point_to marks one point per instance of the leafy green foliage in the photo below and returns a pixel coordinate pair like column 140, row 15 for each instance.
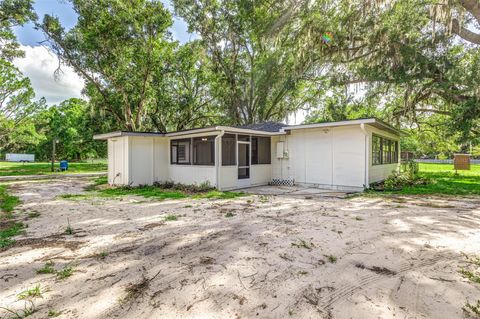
column 13, row 13
column 254, row 77
column 71, row 124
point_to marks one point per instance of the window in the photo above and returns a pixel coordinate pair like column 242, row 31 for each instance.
column 180, row 151
column 261, row 151
column 376, row 150
column 229, row 150
column 384, row 150
column 204, row 150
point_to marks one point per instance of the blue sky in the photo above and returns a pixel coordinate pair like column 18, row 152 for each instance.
column 39, row 63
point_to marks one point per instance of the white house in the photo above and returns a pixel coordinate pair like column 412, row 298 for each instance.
column 344, row 155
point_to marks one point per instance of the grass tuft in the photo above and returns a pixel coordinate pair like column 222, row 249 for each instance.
column 52, row 313
column 10, row 230
column 65, row 272
column 47, row 268
column 171, row 217
column 303, row 244
column 332, row 259
column 31, row 293
column 473, row 309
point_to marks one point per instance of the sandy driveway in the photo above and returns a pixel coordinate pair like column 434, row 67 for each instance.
column 277, row 257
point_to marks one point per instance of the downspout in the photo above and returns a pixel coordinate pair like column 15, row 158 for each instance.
column 366, row 184
column 218, row 162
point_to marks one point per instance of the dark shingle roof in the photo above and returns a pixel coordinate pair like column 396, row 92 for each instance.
column 265, row 126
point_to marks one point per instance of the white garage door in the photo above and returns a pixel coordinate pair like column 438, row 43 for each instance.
column 313, row 156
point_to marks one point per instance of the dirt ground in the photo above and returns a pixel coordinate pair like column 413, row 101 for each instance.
column 276, row 257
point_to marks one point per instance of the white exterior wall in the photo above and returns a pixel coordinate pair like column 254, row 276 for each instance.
column 141, row 165
column 377, row 173
column 161, row 159
column 323, row 157
column 192, row 174
column 260, row 174
column 229, row 177
column 118, row 160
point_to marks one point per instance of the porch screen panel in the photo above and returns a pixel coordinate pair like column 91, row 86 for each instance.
column 261, row 150
column 229, row 150
column 204, row 150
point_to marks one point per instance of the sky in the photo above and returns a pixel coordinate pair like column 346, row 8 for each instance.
column 40, row 63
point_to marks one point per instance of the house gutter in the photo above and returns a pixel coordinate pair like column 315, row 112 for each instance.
column 218, row 162
column 365, row 183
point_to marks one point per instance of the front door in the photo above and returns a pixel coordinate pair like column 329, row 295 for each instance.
column 243, row 160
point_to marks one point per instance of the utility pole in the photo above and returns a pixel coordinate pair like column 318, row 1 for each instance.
column 54, row 142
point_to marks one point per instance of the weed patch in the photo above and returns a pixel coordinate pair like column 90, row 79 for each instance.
column 472, row 309
column 171, row 217
column 31, row 293
column 8, row 230
column 65, row 272
column 47, row 268
column 52, row 313
column 7, row 201
column 303, row 244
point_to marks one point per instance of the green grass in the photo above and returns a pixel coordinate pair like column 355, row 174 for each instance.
column 214, row 194
column 153, row 192
column 43, row 168
column 30, row 293
column 47, row 268
column 9, row 230
column 7, row 201
column 444, row 181
column 171, row 217
column 65, row 272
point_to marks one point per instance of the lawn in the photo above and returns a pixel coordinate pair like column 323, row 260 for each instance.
column 444, row 181
column 43, row 168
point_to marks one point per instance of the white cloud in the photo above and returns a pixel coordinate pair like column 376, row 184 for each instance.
column 39, row 64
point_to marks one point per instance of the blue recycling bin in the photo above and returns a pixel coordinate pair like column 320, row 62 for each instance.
column 63, row 166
